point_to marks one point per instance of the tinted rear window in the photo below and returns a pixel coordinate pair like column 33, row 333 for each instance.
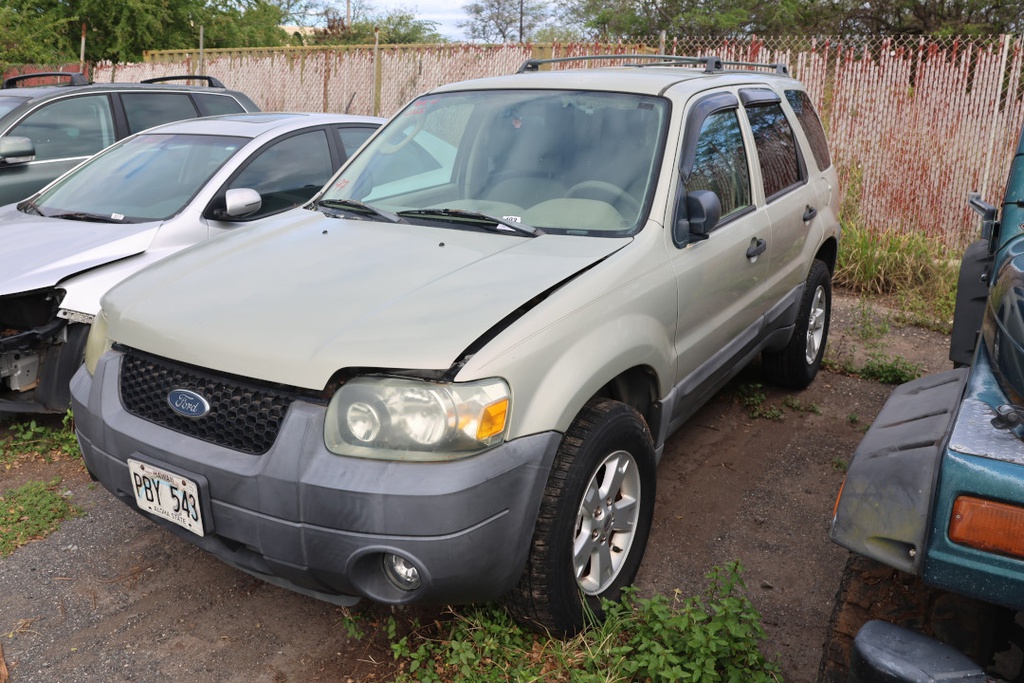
column 811, row 124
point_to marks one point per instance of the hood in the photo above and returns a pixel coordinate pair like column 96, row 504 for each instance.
column 293, row 301
column 39, row 252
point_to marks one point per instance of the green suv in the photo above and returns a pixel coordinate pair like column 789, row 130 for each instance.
column 47, row 130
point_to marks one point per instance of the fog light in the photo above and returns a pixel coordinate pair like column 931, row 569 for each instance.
column 401, row 572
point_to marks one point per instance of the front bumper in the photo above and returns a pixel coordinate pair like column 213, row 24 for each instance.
column 886, row 653
column 303, row 518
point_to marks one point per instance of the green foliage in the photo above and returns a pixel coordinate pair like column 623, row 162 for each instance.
column 33, row 38
column 919, row 272
column 711, row 637
column 895, row 370
column 396, row 27
column 798, row 406
column 869, row 324
column 753, row 398
column 31, row 512
column 840, row 464
column 33, row 438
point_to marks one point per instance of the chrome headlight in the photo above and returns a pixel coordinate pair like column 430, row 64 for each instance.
column 409, row 419
column 97, row 343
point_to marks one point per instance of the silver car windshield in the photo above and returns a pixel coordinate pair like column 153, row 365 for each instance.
column 146, row 178
column 570, row 162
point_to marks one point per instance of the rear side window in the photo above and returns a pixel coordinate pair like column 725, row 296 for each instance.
column 147, row 109
column 213, row 105
column 777, row 151
column 67, row 128
column 811, row 124
column 720, row 162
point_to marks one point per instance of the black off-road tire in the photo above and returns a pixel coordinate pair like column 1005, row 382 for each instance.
column 790, row 367
column 870, row 590
column 549, row 597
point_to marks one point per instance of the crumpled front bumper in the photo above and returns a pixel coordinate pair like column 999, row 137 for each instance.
column 318, row 523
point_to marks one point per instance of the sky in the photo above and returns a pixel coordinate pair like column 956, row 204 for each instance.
column 446, row 12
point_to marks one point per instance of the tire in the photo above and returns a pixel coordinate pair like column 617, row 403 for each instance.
column 795, row 366
column 561, row 589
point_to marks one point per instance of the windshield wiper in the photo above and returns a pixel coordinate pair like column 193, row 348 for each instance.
column 359, row 210
column 87, row 217
column 478, row 219
column 30, row 206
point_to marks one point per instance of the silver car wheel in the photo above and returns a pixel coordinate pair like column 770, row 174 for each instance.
column 606, row 522
column 816, row 325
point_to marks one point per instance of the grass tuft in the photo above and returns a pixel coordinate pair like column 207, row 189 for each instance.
column 31, row 512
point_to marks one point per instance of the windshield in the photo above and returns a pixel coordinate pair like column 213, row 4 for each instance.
column 146, row 178
column 566, row 162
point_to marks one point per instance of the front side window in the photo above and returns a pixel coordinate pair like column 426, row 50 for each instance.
column 777, row 151
column 720, row 162
column 68, row 128
column 572, row 162
column 147, row 109
column 146, row 178
column 288, row 172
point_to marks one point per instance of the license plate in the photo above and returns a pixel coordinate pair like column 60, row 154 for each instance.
column 167, row 495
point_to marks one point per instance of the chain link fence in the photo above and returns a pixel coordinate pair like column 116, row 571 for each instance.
column 914, row 123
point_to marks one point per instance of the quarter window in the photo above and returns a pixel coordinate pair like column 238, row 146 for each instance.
column 720, row 162
column 811, row 124
column 68, row 128
column 213, row 105
column 777, row 152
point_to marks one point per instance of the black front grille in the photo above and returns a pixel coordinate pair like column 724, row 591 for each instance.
column 243, row 416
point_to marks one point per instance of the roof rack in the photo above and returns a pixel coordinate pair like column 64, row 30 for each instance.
column 711, row 64
column 75, row 78
column 210, row 80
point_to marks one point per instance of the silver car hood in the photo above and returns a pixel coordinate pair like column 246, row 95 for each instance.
column 39, row 252
column 296, row 299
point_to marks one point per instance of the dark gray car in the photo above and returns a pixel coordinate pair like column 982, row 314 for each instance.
column 46, row 130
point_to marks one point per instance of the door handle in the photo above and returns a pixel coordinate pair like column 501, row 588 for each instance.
column 809, row 213
column 757, row 248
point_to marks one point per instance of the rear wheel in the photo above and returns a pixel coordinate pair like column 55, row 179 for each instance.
column 796, row 365
column 594, row 520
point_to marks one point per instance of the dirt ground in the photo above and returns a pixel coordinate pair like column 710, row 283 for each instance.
column 113, row 598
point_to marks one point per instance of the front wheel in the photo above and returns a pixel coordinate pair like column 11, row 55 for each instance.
column 594, row 520
column 795, row 366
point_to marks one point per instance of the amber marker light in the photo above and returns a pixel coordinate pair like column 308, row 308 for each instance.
column 987, row 525
column 835, row 508
column 492, row 420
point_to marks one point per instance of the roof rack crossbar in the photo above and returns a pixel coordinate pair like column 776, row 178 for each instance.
column 75, row 78
column 711, row 64
column 210, row 80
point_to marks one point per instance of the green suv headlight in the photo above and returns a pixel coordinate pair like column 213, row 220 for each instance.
column 409, row 419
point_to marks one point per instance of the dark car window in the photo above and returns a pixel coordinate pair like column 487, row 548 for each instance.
column 288, row 172
column 811, row 124
column 351, row 137
column 776, row 149
column 145, row 110
column 213, row 105
column 9, row 103
column 720, row 162
column 72, row 127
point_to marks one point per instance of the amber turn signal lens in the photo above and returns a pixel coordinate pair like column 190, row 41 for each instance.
column 988, row 525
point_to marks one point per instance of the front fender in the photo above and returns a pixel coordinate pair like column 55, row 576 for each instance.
column 885, row 505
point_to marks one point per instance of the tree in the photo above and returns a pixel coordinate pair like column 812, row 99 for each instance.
column 504, row 21
column 396, row 27
column 33, row 38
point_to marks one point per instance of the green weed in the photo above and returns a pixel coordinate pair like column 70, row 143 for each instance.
column 895, row 370
column 31, row 512
column 34, row 438
column 754, row 399
column 711, row 637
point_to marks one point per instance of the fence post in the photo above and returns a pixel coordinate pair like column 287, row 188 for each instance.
column 995, row 115
column 378, row 80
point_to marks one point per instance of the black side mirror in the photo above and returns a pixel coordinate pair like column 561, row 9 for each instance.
column 987, row 213
column 703, row 209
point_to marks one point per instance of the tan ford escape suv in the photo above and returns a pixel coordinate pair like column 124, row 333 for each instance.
column 449, row 378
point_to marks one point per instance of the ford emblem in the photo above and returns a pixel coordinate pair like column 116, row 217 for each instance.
column 188, row 403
